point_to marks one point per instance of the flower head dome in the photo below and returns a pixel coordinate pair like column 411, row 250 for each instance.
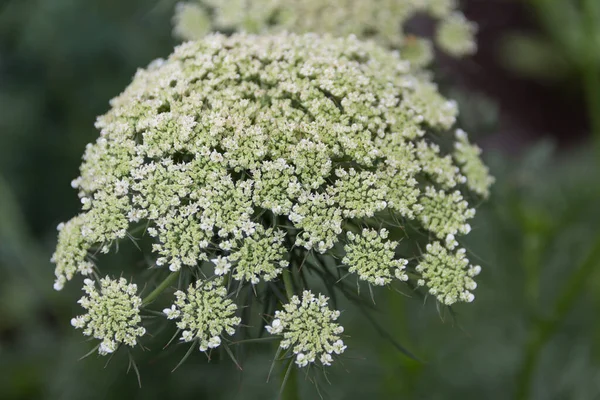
column 241, row 156
column 381, row 20
column 230, row 134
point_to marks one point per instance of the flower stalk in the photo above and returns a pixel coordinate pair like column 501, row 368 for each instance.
column 168, row 281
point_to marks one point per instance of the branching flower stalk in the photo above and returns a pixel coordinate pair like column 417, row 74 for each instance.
column 252, row 161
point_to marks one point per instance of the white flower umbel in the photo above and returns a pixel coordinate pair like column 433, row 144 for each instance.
column 448, row 275
column 113, row 313
column 381, row 20
column 373, row 258
column 204, row 313
column 235, row 144
column 309, row 329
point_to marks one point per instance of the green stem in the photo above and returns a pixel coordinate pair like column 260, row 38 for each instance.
column 160, row 288
column 532, row 253
column 544, row 329
column 290, row 382
column 290, row 379
column 288, row 283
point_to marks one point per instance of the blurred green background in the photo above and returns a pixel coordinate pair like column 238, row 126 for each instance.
column 533, row 331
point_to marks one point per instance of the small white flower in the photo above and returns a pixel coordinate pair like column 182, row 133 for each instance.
column 326, row 359
column 107, row 347
column 222, row 265
column 339, row 347
column 187, row 336
column 214, row 342
column 85, row 268
column 175, row 266
column 172, row 312
column 275, row 328
column 451, row 242
column 121, row 187
column 301, row 360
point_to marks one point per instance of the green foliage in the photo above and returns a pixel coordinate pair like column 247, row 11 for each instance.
column 537, row 233
column 567, row 50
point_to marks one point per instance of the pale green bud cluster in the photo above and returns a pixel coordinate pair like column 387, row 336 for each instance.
column 445, row 213
column 419, row 51
column 441, row 169
column 320, row 220
column 468, row 156
column 275, row 186
column 70, row 256
column 309, row 329
column 204, row 313
column 455, row 35
column 448, row 275
column 357, row 194
column 381, row 20
column 260, row 256
column 373, row 257
column 113, row 313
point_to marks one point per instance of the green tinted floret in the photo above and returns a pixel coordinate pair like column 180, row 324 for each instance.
column 468, row 156
column 113, row 314
column 204, row 313
column 448, row 275
column 373, row 257
column 309, row 329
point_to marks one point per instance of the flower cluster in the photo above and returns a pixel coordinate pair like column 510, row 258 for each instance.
column 381, row 20
column 244, row 155
column 308, row 327
column 445, row 213
column 113, row 313
column 448, row 275
column 455, row 35
column 467, row 155
column 204, row 313
column 260, row 256
column 373, row 258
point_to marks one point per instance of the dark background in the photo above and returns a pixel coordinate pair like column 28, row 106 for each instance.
column 533, row 331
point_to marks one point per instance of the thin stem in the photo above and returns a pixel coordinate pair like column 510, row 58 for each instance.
column 288, row 283
column 160, row 288
column 289, row 390
column 544, row 329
